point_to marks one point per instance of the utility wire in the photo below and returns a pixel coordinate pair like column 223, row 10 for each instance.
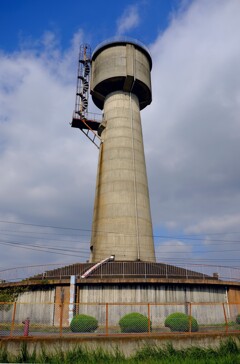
column 49, row 250
column 185, row 236
column 44, row 238
column 160, row 256
column 44, row 226
column 69, row 240
column 75, row 249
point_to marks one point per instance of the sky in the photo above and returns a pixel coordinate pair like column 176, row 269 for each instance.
column 191, row 129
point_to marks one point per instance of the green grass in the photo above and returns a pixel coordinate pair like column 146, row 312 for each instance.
column 228, row 352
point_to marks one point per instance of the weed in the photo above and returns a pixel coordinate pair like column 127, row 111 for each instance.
column 3, row 356
column 227, row 353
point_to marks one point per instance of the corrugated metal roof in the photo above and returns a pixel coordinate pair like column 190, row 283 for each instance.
column 125, row 269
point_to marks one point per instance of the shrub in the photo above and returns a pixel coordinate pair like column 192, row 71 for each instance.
column 238, row 319
column 134, row 322
column 6, row 296
column 83, row 323
column 181, row 322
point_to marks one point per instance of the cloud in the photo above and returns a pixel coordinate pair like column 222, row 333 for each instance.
column 191, row 133
column 214, row 224
column 191, row 129
column 129, row 20
column 45, row 164
column 169, row 250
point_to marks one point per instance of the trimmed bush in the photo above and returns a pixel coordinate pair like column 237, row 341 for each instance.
column 181, row 322
column 134, row 322
column 83, row 323
column 238, row 319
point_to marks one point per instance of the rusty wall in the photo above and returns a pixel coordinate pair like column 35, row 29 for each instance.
column 234, row 297
column 233, row 294
column 62, row 296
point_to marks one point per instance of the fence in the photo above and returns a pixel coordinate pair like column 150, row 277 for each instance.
column 123, row 270
column 58, row 320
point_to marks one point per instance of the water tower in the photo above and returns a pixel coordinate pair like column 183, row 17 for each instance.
column 121, row 87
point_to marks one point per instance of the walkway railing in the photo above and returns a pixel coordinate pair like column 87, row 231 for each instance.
column 58, row 319
column 123, row 270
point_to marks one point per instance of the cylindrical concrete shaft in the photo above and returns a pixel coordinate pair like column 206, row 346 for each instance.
column 122, row 220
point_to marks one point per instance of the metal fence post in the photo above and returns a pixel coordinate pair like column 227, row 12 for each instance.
column 13, row 318
column 149, row 321
column 190, row 316
column 106, row 318
column 225, row 317
column 61, row 317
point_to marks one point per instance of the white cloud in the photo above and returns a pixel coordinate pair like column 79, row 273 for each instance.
column 221, row 224
column 192, row 128
column 173, row 250
column 129, row 20
column 191, row 133
column 47, row 168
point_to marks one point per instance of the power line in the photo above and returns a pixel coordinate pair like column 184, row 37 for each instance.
column 68, row 249
column 44, row 238
column 44, row 226
column 194, row 239
column 44, row 233
column 69, row 240
column 185, row 236
column 174, row 237
column 74, row 249
column 36, row 248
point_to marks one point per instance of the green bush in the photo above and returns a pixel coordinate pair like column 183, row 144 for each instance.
column 6, row 296
column 83, row 323
column 238, row 319
column 134, row 322
column 181, row 322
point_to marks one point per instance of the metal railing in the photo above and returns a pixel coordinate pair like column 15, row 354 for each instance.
column 89, row 115
column 123, row 270
column 63, row 319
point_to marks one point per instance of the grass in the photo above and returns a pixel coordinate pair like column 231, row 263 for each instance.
column 228, row 352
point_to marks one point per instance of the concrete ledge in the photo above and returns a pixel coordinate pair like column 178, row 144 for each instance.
column 127, row 344
column 111, row 280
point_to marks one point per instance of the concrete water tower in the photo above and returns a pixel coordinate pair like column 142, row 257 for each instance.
column 121, row 87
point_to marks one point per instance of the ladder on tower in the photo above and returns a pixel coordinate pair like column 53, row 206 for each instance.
column 80, row 119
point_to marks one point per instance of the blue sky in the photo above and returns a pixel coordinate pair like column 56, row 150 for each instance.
column 27, row 20
column 191, row 129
